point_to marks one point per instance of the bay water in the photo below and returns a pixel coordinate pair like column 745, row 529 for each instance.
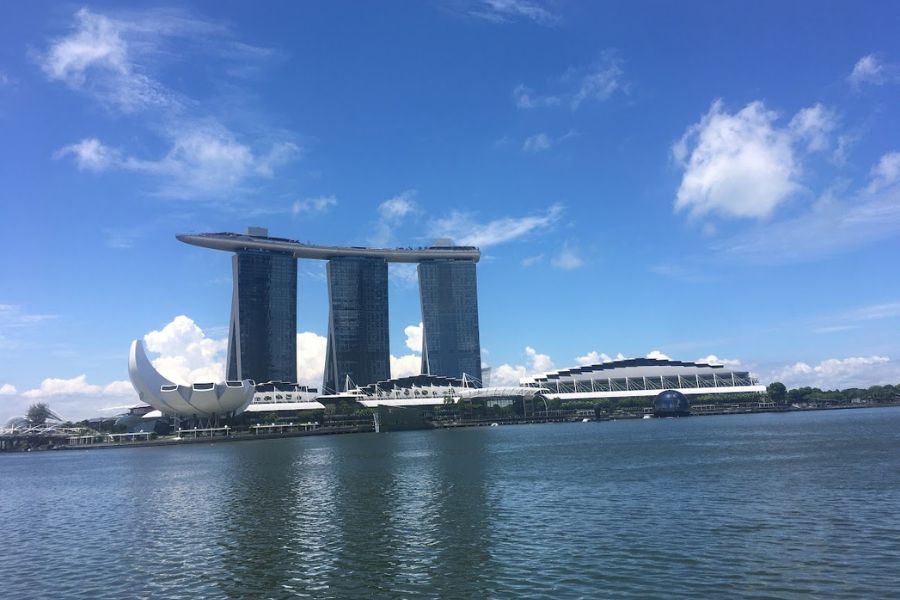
column 791, row 505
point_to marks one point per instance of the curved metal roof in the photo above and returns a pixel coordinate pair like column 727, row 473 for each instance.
column 619, row 364
column 233, row 242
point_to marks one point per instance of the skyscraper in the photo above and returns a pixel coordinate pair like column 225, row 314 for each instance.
column 358, row 343
column 449, row 297
column 262, row 341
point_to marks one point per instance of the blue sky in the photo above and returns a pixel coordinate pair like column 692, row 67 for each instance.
column 690, row 179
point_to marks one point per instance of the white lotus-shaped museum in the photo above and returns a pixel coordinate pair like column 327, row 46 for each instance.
column 197, row 400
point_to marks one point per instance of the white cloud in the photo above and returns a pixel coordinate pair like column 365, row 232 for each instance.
column 119, row 388
column 833, row 328
column 537, row 143
column 541, row 141
column 813, row 125
column 503, row 11
column 13, row 317
column 509, row 375
column 712, row 359
column 403, row 274
column 598, row 81
column 525, row 97
column 406, row 365
column 8, row 389
column 73, row 398
column 314, row 206
column 594, row 358
column 886, row 310
column 657, row 355
column 414, row 337
column 567, row 259
column 399, row 206
column 113, row 60
column 95, row 58
column 53, row 386
column 886, row 172
column 591, row 358
column 391, row 213
column 739, row 165
column 204, row 158
column 869, row 69
column 463, row 228
column 530, row 261
column 832, row 225
column 311, row 349
column 90, row 155
column 186, row 354
column 834, row 373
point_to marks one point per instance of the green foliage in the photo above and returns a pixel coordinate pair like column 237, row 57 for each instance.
column 777, row 392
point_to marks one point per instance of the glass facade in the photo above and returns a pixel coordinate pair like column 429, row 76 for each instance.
column 262, row 341
column 450, row 343
column 358, row 343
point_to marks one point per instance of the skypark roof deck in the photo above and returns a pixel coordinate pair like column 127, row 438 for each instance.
column 233, row 242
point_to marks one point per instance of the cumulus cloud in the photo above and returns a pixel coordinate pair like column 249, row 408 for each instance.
column 74, row 398
column 53, row 386
column 598, row 82
column 313, row 206
column 739, row 165
column 466, row 230
column 409, row 364
column 186, row 354
column 414, row 337
column 311, row 350
column 712, row 359
column 657, row 355
column 591, row 358
column 595, row 358
column 871, row 70
column 835, row 373
column 510, row 375
column 406, row 365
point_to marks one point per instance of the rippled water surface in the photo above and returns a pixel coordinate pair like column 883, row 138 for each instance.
column 794, row 505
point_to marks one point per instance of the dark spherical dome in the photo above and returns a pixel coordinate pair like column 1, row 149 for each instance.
column 671, row 403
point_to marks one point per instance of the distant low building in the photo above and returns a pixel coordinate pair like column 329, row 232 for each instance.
column 637, row 377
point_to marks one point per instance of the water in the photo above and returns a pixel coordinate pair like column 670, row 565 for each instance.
column 794, row 505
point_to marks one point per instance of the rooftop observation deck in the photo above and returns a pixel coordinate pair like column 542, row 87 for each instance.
column 233, row 242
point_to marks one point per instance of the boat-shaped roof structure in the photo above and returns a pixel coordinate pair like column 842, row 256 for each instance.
column 234, row 242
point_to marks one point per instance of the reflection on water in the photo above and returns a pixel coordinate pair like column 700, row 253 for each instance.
column 794, row 505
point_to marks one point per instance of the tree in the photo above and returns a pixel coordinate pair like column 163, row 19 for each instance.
column 38, row 413
column 777, row 392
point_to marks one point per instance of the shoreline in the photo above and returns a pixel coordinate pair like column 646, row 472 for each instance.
column 245, row 436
